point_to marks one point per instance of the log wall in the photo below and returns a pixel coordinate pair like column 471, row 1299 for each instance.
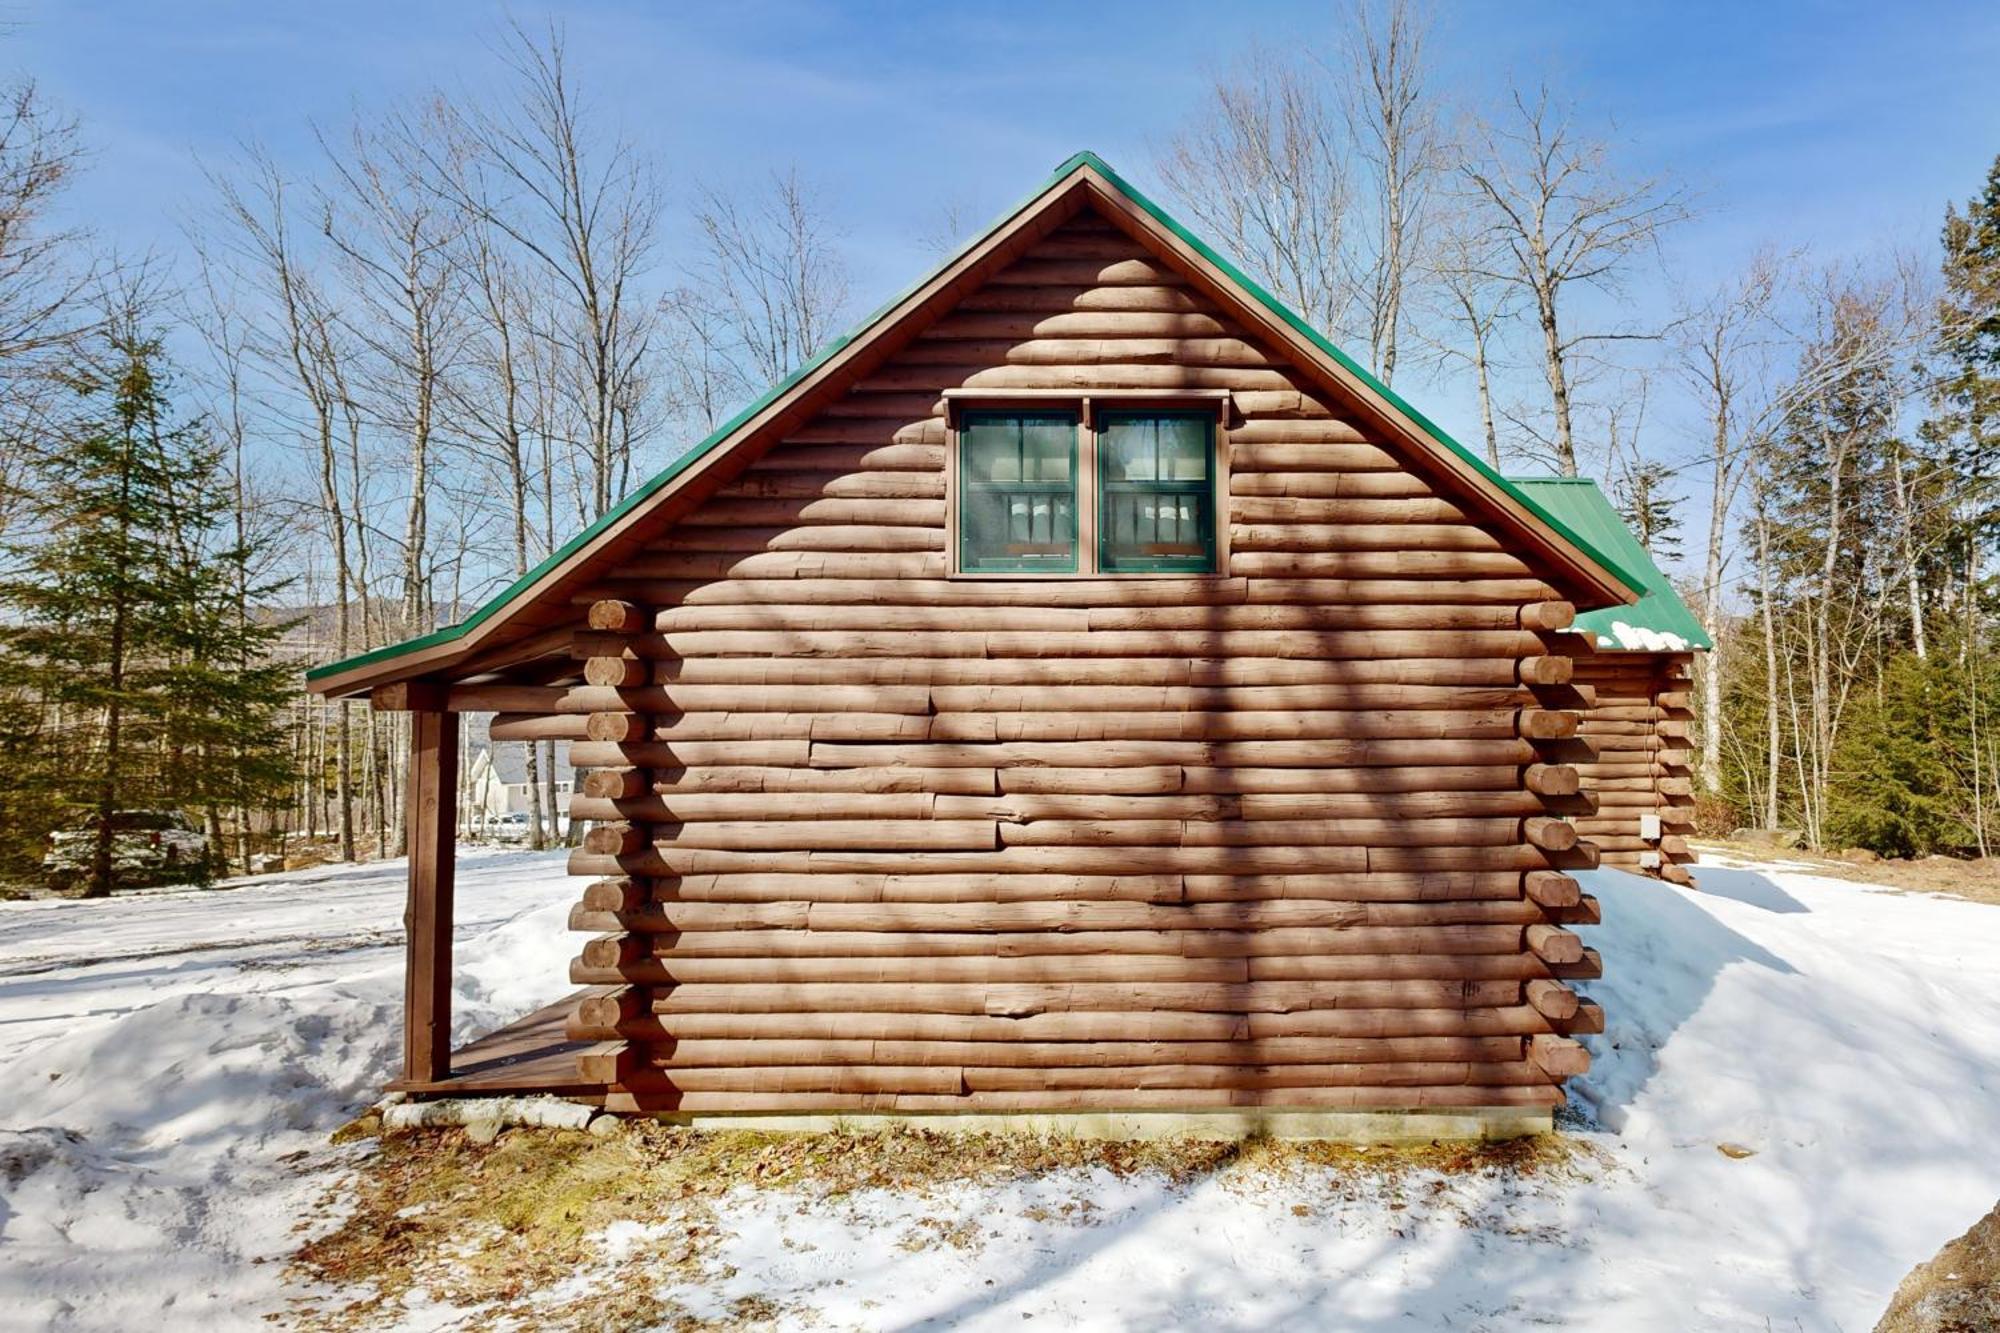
column 1640, row 731
column 871, row 838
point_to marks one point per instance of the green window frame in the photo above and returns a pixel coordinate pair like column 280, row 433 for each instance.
column 1013, row 514
column 1155, row 514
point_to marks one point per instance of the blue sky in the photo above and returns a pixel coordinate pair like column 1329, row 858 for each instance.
column 1842, row 126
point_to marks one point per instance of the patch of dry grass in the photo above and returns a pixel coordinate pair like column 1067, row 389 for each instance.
column 497, row 1229
column 1975, row 881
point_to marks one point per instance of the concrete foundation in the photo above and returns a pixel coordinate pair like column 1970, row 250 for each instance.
column 1470, row 1123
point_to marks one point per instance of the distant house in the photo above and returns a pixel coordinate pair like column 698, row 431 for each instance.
column 495, row 785
column 1080, row 690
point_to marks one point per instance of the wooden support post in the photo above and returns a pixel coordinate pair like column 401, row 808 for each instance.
column 433, row 828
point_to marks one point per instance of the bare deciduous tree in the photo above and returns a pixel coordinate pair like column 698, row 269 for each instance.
column 1264, row 170
column 297, row 347
column 1471, row 304
column 1394, row 118
column 1722, row 348
column 586, row 212
column 398, row 241
column 45, row 276
column 1562, row 219
column 769, row 288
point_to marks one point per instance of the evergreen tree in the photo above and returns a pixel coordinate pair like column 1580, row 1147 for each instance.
column 126, row 627
column 1965, row 420
column 1649, row 509
column 1895, row 788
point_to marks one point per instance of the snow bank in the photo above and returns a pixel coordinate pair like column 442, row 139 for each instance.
column 166, row 1120
column 1848, row 1037
column 156, row 1161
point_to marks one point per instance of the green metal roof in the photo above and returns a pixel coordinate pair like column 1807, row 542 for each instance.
column 1584, row 508
column 1632, row 577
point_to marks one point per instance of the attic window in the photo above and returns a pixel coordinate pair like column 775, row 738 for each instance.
column 1017, row 493
column 1052, row 488
column 1156, row 492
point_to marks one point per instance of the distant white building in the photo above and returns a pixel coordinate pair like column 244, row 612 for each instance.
column 495, row 785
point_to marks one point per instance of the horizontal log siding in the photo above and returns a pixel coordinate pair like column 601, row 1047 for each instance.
column 870, row 838
column 1641, row 731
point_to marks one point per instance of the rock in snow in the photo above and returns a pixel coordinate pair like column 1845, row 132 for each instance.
column 1795, row 1103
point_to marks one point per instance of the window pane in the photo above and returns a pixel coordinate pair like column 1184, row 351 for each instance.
column 1184, row 449
column 992, row 451
column 1047, row 446
column 1017, row 493
column 1125, row 449
column 1156, row 501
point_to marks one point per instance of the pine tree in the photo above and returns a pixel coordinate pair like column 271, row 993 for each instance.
column 126, row 629
column 1649, row 509
column 1966, row 418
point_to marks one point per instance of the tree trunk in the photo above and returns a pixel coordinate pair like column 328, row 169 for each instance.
column 1483, row 373
column 1772, row 753
column 1900, row 496
column 1558, row 377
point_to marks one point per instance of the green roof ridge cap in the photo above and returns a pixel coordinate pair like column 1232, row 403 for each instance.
column 1069, row 167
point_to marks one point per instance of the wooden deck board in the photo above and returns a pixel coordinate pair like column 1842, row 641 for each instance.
column 531, row 1056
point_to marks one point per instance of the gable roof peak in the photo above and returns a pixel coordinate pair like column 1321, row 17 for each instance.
column 1600, row 576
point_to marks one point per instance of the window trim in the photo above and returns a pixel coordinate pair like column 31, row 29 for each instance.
column 1083, row 404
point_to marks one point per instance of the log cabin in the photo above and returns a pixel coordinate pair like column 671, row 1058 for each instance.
column 1082, row 690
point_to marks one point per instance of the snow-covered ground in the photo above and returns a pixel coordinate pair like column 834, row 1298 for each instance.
column 171, row 1065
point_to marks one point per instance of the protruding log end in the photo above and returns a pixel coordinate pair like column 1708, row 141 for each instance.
column 617, row 895
column 614, row 784
column 617, row 617
column 1558, row 1057
column 1580, row 697
column 1553, row 1000
column 1589, row 1018
column 1583, row 856
column 1546, row 724
column 1549, row 833
column 1548, row 670
column 1552, row 779
column 608, row 1011
column 610, row 1063
column 1547, row 617
column 618, row 673
column 409, row 696
column 1551, row 888
column 615, row 728
column 613, row 840
column 609, row 952
column 1553, row 944
column 1590, row 968
column 1586, row 911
